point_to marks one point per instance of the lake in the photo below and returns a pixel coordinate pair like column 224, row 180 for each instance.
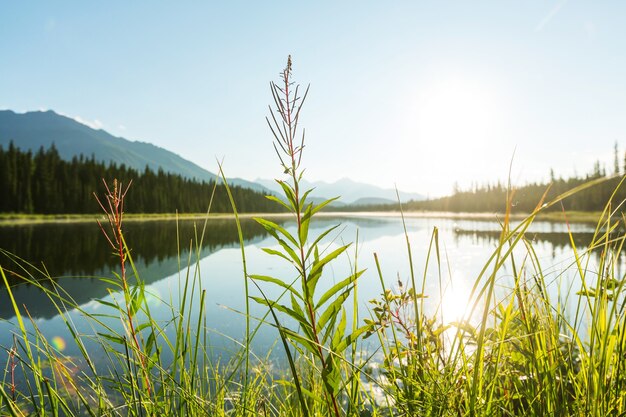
column 76, row 255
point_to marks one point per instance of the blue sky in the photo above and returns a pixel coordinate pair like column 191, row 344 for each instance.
column 418, row 94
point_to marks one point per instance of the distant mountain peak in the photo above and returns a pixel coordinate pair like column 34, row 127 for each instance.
column 349, row 191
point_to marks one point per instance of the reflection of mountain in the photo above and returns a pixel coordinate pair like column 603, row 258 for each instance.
column 76, row 254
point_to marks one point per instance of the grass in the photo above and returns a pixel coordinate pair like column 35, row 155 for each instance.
column 516, row 351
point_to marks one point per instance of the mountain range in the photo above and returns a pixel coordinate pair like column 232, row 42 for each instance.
column 33, row 130
column 349, row 192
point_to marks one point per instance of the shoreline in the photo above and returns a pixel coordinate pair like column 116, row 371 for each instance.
column 26, row 219
column 29, row 219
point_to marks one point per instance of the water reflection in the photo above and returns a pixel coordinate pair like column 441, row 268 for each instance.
column 558, row 240
column 76, row 253
column 77, row 256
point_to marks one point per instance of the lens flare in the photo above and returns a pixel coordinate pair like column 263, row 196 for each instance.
column 59, row 343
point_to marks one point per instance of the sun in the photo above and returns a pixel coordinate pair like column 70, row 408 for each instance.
column 456, row 127
column 456, row 110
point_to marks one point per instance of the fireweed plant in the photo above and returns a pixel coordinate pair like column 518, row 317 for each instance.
column 320, row 338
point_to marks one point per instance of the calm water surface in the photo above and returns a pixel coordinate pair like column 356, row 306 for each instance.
column 77, row 257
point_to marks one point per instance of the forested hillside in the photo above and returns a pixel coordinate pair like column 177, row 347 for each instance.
column 32, row 130
column 493, row 197
column 44, row 183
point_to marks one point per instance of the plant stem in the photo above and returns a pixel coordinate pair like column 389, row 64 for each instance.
column 287, row 113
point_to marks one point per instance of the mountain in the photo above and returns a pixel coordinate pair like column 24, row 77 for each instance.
column 350, row 192
column 372, row 201
column 33, row 130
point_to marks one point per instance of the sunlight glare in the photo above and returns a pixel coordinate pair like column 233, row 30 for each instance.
column 453, row 119
column 456, row 111
column 455, row 303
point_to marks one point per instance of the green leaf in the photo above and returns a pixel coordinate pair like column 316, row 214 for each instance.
column 323, row 204
column 112, row 338
column 289, row 193
column 316, row 398
column 311, row 281
column 277, row 253
column 272, row 228
column 137, row 297
column 278, row 282
column 333, row 308
column 308, row 330
column 339, row 331
column 330, row 328
column 289, row 251
column 353, row 337
column 308, row 213
column 283, row 309
column 318, row 239
column 304, row 197
column 331, row 375
column 588, row 293
column 108, row 304
column 308, row 344
column 291, row 255
column 338, row 287
column 150, row 343
column 318, row 265
column 303, row 232
column 296, row 306
column 115, row 283
column 279, row 201
column 142, row 326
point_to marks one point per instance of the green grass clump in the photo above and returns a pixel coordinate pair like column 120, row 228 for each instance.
column 519, row 349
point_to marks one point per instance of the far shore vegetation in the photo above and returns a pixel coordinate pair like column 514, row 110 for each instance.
column 42, row 187
column 43, row 183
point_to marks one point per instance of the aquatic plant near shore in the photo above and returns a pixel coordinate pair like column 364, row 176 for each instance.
column 320, row 338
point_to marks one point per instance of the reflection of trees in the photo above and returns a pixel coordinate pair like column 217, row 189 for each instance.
column 558, row 240
column 81, row 250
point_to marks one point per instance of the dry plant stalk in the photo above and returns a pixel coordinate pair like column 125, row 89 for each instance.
column 113, row 208
column 12, row 366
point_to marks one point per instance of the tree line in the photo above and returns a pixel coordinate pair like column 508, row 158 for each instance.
column 42, row 183
column 493, row 197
